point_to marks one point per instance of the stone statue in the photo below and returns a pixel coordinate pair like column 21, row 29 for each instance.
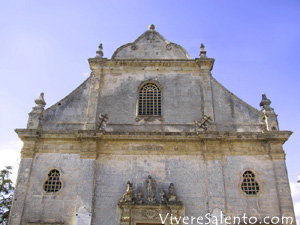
column 139, row 196
column 150, row 186
column 128, row 196
column 151, row 191
column 162, row 196
column 172, row 198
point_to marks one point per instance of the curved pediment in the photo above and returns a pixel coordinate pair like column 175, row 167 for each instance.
column 151, row 45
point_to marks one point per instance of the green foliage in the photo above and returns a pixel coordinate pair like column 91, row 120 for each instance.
column 6, row 194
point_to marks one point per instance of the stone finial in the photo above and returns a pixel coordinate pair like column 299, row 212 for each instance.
column 36, row 114
column 151, row 27
column 202, row 51
column 40, row 102
column 100, row 51
column 269, row 116
column 265, row 103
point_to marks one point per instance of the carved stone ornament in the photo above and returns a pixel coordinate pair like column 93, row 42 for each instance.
column 149, row 213
column 202, row 51
column 134, row 47
column 151, row 190
column 151, row 27
column 99, row 53
column 40, row 102
column 169, row 47
column 162, row 195
column 202, row 125
column 101, row 122
column 172, row 197
column 134, row 210
column 139, row 196
column 128, row 196
column 137, row 199
column 265, row 103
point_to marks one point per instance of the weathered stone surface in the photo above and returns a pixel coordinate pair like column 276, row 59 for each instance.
column 95, row 162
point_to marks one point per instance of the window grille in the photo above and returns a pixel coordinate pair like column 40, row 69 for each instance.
column 53, row 183
column 249, row 184
column 149, row 100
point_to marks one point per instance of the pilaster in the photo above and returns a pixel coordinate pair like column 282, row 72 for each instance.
column 215, row 182
column 20, row 191
column 283, row 190
column 94, row 97
column 206, row 65
column 85, row 192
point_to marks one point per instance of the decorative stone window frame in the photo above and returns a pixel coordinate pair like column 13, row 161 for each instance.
column 150, row 118
column 46, row 179
column 257, row 179
column 133, row 214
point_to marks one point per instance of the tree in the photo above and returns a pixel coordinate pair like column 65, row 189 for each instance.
column 6, row 194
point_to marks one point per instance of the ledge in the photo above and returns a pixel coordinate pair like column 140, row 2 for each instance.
column 281, row 136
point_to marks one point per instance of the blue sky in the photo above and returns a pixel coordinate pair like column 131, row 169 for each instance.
column 44, row 47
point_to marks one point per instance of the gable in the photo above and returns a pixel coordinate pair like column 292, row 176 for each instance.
column 151, row 45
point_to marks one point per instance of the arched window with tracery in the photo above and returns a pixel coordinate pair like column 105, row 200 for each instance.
column 249, row 185
column 149, row 103
column 53, row 183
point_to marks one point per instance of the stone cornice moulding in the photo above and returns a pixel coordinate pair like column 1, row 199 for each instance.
column 33, row 134
column 202, row 63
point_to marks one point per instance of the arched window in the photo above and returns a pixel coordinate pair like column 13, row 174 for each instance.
column 149, row 100
column 53, row 183
column 249, row 184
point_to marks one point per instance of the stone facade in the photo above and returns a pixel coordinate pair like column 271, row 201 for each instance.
column 93, row 158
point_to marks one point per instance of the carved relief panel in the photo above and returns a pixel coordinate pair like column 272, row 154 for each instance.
column 136, row 210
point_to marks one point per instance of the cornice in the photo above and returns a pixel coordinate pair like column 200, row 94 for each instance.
column 98, row 63
column 277, row 136
column 205, row 63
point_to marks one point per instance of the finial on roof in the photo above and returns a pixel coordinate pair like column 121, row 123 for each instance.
column 202, row 51
column 99, row 52
column 40, row 102
column 151, row 27
column 265, row 103
column 269, row 116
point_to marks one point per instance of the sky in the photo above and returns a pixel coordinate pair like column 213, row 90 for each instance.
column 44, row 47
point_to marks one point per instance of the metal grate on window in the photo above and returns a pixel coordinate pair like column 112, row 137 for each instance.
column 149, row 100
column 53, row 183
column 249, row 184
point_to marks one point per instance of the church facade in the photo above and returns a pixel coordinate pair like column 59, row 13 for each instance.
column 151, row 138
